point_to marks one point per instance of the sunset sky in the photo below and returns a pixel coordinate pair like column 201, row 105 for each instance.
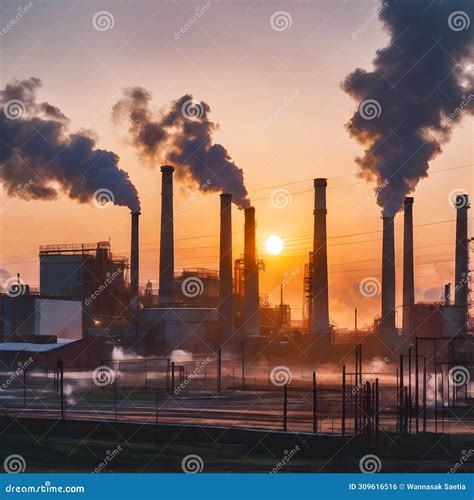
column 277, row 97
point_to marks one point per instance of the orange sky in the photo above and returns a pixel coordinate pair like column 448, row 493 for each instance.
column 277, row 98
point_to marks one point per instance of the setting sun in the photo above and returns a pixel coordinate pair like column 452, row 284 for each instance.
column 274, row 244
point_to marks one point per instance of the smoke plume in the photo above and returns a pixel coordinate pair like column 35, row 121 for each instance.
column 182, row 136
column 36, row 150
column 421, row 86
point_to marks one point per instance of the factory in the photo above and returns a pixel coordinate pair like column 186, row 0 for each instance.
column 90, row 301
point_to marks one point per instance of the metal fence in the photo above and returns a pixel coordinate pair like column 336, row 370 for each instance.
column 209, row 390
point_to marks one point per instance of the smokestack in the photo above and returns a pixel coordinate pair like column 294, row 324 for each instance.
column 251, row 291
column 320, row 307
column 387, row 321
column 166, row 293
column 226, row 301
column 447, row 294
column 461, row 285
column 408, row 271
column 134, row 263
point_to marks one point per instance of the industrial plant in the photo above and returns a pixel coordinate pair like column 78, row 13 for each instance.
column 89, row 300
column 91, row 316
column 104, row 341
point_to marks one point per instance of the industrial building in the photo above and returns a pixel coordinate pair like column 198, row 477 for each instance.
column 87, row 272
column 201, row 310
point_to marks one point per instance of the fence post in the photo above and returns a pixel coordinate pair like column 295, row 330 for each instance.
column 243, row 363
column 343, row 418
column 61, row 372
column 219, row 368
column 285, row 407
column 24, row 387
column 377, row 409
column 315, row 402
column 115, row 397
column 424, row 395
column 172, row 378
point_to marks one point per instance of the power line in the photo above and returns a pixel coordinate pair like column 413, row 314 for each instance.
column 346, row 175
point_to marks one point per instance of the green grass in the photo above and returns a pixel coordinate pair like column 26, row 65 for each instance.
column 72, row 455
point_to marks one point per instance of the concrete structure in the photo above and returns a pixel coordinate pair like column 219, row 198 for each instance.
column 166, row 290
column 35, row 319
column 319, row 321
column 408, row 267
column 197, row 286
column 461, row 277
column 226, row 299
column 192, row 329
column 387, row 320
column 251, row 323
column 87, row 272
column 134, row 262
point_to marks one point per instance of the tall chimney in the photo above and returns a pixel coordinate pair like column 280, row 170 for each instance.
column 251, row 290
column 447, row 294
column 320, row 303
column 134, row 262
column 166, row 293
column 226, row 300
column 408, row 271
column 461, row 276
column 387, row 321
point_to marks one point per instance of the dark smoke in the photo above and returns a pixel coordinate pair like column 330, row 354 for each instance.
column 424, row 86
column 182, row 136
column 36, row 150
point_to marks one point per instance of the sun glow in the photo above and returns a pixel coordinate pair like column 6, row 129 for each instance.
column 274, row 244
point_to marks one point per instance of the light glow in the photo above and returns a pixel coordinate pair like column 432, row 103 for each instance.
column 274, row 244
